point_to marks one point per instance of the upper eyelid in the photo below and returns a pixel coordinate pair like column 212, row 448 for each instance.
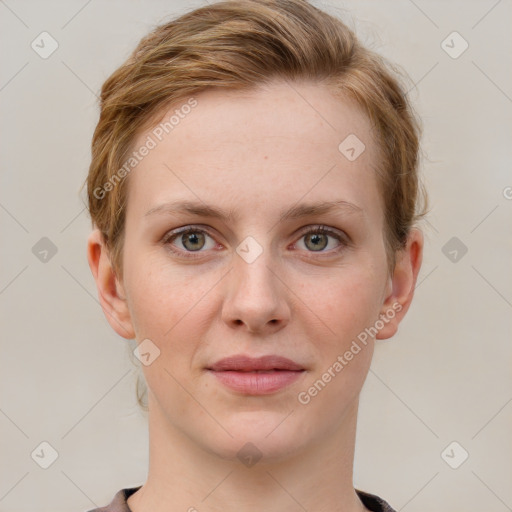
column 184, row 229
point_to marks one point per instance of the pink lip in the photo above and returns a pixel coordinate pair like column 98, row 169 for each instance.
column 256, row 376
column 250, row 364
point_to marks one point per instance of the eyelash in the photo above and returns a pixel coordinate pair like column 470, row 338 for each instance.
column 321, row 230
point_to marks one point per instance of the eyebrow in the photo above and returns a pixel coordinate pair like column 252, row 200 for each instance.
column 295, row 212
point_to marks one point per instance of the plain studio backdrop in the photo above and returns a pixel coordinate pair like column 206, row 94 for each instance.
column 436, row 409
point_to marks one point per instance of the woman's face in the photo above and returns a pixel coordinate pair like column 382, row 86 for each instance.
column 249, row 174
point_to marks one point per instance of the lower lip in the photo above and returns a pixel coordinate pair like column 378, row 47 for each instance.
column 254, row 383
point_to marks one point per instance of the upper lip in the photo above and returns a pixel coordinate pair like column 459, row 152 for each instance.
column 247, row 363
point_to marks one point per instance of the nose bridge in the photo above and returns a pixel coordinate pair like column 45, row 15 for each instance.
column 256, row 297
column 252, row 275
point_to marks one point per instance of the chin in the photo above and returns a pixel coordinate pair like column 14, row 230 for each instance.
column 258, row 436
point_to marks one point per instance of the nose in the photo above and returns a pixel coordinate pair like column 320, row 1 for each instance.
column 256, row 301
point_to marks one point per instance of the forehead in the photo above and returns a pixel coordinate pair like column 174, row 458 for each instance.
column 306, row 111
column 272, row 144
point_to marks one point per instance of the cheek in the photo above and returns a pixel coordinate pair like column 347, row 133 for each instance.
column 172, row 309
column 346, row 306
column 164, row 297
column 347, row 302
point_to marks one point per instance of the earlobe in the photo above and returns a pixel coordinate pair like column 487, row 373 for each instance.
column 401, row 285
column 110, row 292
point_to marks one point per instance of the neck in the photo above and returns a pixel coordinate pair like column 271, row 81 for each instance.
column 184, row 477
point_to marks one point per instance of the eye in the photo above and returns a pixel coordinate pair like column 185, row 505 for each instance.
column 317, row 239
column 188, row 240
column 191, row 239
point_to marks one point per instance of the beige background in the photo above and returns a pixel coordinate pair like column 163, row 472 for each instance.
column 66, row 377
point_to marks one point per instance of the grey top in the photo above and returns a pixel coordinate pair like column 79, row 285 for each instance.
column 118, row 503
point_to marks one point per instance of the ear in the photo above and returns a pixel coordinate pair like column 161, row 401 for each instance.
column 110, row 289
column 400, row 287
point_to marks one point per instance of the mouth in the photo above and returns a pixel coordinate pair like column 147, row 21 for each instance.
column 242, row 363
column 256, row 376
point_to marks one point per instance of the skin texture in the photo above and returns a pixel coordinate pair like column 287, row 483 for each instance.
column 256, row 153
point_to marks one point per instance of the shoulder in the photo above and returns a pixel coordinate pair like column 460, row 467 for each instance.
column 373, row 502
column 118, row 503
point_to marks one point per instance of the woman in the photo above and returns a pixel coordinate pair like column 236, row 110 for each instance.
column 254, row 195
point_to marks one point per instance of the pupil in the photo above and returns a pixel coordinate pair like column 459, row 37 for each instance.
column 316, row 239
column 193, row 239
